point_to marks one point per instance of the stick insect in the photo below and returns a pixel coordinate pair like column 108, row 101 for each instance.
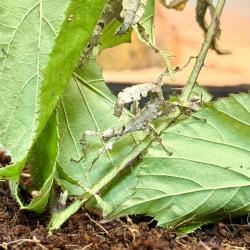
column 143, row 120
column 133, row 10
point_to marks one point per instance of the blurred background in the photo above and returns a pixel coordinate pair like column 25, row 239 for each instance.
column 178, row 32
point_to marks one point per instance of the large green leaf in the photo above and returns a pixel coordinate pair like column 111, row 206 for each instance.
column 206, row 178
column 27, row 31
column 88, row 104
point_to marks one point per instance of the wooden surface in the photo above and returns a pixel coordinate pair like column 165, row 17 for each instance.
column 178, row 32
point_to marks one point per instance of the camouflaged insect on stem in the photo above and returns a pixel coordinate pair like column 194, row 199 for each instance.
column 132, row 12
column 110, row 12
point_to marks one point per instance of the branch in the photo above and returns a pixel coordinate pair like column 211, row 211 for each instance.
column 203, row 52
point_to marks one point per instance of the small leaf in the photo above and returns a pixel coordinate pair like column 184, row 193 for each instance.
column 59, row 217
column 42, row 162
column 132, row 12
column 201, row 9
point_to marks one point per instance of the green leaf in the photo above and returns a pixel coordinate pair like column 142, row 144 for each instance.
column 27, row 39
column 42, row 165
column 27, row 31
column 81, row 19
column 207, row 177
column 59, row 217
column 88, row 104
column 108, row 39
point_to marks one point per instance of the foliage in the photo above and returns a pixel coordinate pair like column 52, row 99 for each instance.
column 52, row 91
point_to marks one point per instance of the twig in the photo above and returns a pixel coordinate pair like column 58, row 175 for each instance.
column 34, row 240
column 203, row 52
column 86, row 247
column 202, row 244
column 228, row 246
column 3, row 211
column 177, row 69
column 100, row 226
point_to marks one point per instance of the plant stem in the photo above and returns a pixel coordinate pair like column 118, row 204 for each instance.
column 203, row 52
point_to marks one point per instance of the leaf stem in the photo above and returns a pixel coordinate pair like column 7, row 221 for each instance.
column 203, row 52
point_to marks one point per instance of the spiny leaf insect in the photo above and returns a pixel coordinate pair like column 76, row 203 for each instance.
column 133, row 11
column 143, row 120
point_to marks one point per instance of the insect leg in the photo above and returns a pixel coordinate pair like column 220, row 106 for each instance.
column 198, row 118
column 135, row 107
column 158, row 138
column 83, row 143
column 106, row 147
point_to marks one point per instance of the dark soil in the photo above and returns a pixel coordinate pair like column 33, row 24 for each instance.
column 24, row 230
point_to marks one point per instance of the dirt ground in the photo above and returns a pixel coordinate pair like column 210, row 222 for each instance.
column 24, row 230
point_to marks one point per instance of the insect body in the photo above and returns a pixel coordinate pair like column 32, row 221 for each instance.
column 143, row 120
column 133, row 10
